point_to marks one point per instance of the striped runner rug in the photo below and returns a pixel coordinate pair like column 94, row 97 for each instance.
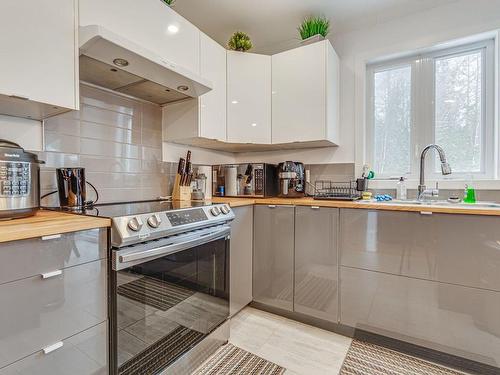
column 231, row 360
column 368, row 359
column 154, row 292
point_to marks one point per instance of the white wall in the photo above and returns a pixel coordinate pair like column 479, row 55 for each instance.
column 27, row 133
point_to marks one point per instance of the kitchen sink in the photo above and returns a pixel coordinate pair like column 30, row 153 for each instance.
column 443, row 203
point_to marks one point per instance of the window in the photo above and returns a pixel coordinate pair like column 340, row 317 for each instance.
column 444, row 97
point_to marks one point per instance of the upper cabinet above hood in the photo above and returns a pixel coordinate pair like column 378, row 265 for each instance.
column 111, row 61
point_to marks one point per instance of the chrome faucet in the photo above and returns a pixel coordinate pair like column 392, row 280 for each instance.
column 445, row 170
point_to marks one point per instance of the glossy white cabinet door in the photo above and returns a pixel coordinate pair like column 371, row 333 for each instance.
column 248, row 98
column 213, row 103
column 150, row 23
column 38, row 51
column 305, row 83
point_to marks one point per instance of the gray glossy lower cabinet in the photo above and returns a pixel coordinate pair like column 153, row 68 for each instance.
column 316, row 266
column 240, row 288
column 273, row 257
column 82, row 354
column 456, row 249
column 37, row 312
column 454, row 319
column 26, row 258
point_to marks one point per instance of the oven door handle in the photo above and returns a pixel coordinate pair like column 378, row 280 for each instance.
column 146, row 255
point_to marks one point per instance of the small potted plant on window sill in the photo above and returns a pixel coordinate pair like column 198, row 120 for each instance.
column 239, row 41
column 314, row 29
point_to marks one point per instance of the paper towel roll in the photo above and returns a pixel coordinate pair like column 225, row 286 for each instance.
column 231, row 181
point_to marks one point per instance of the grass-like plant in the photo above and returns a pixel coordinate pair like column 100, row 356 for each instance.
column 239, row 41
column 313, row 26
column 169, row 2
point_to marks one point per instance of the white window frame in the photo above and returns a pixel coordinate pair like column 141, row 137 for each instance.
column 423, row 108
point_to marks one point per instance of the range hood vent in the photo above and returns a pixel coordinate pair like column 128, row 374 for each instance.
column 115, row 63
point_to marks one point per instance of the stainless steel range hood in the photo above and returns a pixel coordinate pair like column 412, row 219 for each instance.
column 113, row 62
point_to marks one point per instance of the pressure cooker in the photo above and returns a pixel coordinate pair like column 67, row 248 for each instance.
column 19, row 181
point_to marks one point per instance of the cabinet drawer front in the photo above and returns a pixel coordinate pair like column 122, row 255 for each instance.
column 38, row 312
column 316, row 274
column 273, row 256
column 82, row 354
column 454, row 319
column 26, row 258
column 456, row 249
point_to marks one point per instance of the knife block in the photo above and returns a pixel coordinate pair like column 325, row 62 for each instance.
column 180, row 193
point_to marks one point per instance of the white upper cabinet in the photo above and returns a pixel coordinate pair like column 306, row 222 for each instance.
column 305, row 95
column 192, row 120
column 38, row 57
column 248, row 98
column 149, row 23
column 213, row 103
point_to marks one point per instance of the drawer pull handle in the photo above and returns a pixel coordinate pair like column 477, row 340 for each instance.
column 52, row 237
column 425, row 212
column 272, row 206
column 51, row 348
column 315, row 207
column 48, row 275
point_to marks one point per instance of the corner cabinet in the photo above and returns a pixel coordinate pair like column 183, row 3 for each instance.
column 305, row 95
column 201, row 120
column 38, row 57
column 248, row 98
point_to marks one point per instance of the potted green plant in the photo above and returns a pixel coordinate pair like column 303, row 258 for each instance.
column 169, row 2
column 239, row 41
column 313, row 29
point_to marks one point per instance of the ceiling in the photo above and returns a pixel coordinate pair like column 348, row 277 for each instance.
column 272, row 24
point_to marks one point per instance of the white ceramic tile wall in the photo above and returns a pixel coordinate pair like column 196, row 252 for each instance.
column 117, row 140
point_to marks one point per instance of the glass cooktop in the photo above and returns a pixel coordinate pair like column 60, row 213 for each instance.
column 135, row 208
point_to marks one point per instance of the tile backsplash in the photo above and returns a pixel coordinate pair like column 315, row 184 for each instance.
column 117, row 140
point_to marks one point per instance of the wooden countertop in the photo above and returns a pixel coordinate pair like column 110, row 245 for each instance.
column 46, row 223
column 370, row 205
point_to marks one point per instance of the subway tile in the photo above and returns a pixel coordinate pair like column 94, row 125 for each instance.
column 114, row 180
column 106, row 100
column 151, row 117
column 62, row 125
column 61, row 143
column 107, row 117
column 119, row 195
column 149, row 153
column 109, row 133
column 48, row 180
column 152, row 138
column 107, row 148
column 59, row 160
column 102, row 164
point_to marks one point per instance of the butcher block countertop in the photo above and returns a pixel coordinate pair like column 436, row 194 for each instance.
column 370, row 205
column 46, row 223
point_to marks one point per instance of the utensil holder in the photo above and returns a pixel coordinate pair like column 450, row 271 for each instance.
column 181, row 193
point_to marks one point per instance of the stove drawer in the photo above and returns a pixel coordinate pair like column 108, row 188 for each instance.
column 38, row 312
column 26, row 258
column 82, row 354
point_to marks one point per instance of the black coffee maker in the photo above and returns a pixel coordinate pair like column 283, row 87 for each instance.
column 71, row 188
column 291, row 179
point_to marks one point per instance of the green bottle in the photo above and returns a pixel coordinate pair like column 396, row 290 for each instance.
column 469, row 194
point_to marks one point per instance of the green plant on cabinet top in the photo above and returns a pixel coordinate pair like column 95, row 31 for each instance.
column 239, row 41
column 314, row 26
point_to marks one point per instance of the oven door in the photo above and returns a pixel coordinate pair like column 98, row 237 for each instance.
column 167, row 295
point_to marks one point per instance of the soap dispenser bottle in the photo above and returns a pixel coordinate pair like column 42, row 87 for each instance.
column 401, row 189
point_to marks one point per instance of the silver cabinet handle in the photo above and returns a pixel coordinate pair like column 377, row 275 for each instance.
column 271, row 206
column 315, row 207
column 48, row 275
column 425, row 212
column 51, row 348
column 51, row 237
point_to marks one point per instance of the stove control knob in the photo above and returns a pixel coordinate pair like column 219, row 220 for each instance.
column 215, row 211
column 135, row 224
column 225, row 210
column 154, row 221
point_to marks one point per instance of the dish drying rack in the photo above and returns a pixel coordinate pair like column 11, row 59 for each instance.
column 345, row 191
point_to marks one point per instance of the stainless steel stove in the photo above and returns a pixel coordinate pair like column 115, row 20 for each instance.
column 169, row 284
